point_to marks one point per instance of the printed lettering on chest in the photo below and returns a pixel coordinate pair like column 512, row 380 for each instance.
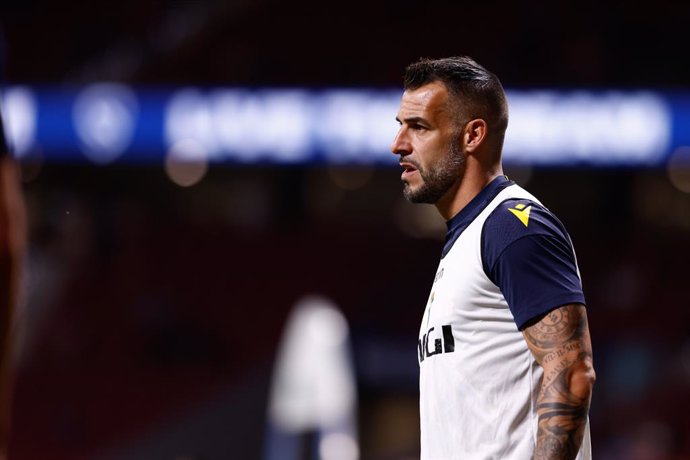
column 436, row 341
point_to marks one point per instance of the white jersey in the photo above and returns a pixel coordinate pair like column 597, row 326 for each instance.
column 479, row 382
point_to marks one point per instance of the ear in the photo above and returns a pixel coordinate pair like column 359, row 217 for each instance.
column 474, row 134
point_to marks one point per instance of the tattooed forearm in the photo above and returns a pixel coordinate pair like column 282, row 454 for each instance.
column 562, row 418
column 561, row 345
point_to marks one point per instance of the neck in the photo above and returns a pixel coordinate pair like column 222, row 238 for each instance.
column 473, row 180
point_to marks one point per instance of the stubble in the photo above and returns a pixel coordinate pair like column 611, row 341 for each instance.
column 437, row 179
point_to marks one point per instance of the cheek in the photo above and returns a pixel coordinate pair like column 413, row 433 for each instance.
column 431, row 161
column 431, row 150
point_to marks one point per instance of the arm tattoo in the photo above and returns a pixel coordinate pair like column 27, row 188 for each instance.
column 561, row 345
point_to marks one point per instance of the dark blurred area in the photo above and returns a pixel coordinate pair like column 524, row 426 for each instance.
column 310, row 43
column 154, row 311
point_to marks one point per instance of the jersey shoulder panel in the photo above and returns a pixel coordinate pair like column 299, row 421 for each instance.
column 528, row 254
column 513, row 219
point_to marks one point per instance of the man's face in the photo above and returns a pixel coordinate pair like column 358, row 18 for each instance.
column 428, row 144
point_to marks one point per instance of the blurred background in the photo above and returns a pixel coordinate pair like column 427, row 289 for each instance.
column 196, row 172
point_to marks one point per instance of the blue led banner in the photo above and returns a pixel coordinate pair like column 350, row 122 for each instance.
column 106, row 123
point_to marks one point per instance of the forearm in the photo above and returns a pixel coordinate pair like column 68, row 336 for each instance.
column 561, row 345
column 563, row 406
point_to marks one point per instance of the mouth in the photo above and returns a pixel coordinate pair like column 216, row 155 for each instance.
column 408, row 169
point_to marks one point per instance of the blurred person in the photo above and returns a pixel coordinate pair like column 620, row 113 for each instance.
column 12, row 251
column 504, row 349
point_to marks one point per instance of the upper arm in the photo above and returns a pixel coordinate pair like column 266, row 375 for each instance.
column 530, row 257
column 561, row 344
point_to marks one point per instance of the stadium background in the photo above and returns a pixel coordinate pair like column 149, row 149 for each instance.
column 154, row 311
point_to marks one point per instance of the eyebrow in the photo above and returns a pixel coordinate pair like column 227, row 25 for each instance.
column 412, row 120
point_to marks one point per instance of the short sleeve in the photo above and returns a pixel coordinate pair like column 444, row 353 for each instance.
column 528, row 254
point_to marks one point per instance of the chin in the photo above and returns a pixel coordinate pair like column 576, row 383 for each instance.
column 416, row 196
column 408, row 191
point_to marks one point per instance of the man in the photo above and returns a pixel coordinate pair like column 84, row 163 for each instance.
column 504, row 349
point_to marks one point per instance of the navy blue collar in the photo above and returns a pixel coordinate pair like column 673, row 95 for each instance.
column 459, row 222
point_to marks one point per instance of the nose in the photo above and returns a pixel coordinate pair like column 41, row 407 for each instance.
column 401, row 145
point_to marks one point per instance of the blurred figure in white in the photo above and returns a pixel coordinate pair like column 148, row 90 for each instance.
column 312, row 406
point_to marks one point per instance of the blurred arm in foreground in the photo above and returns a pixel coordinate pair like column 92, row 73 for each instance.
column 12, row 251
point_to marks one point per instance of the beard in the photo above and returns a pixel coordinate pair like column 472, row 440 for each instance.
column 437, row 179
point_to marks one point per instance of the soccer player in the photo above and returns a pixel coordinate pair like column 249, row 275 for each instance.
column 504, row 348
column 12, row 252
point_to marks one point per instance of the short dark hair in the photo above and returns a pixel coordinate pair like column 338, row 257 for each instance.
column 477, row 91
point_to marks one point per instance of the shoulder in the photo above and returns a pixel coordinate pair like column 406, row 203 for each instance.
column 517, row 218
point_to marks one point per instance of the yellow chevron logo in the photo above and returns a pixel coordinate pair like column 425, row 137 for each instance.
column 522, row 213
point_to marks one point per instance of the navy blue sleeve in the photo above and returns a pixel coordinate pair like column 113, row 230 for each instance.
column 527, row 253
